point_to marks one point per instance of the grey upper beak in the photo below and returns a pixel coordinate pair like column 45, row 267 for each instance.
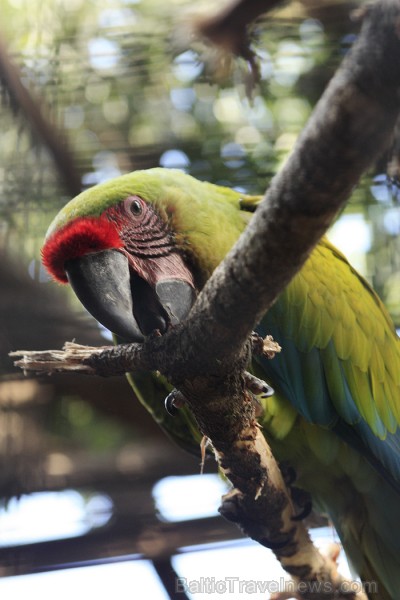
column 124, row 302
column 102, row 283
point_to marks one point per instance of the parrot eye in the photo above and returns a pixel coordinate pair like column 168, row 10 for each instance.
column 136, row 207
column 133, row 206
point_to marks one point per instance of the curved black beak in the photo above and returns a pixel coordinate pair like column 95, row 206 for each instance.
column 124, row 302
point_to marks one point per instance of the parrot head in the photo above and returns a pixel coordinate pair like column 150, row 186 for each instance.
column 137, row 249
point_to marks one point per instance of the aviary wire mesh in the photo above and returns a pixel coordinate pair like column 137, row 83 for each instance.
column 129, row 91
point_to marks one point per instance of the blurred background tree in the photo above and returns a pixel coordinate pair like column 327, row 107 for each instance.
column 126, row 88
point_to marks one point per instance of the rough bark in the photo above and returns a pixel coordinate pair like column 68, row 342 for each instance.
column 205, row 357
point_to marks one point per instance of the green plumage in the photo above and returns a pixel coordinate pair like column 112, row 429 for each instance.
column 336, row 411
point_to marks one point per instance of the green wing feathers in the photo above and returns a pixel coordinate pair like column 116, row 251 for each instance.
column 329, row 306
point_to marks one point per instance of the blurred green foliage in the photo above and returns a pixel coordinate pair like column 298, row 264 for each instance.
column 131, row 90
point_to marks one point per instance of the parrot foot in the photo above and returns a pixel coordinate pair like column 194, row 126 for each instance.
column 231, row 509
column 300, row 497
column 173, row 402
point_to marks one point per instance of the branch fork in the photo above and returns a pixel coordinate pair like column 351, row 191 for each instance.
column 259, row 503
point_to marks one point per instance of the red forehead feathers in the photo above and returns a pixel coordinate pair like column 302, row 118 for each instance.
column 80, row 237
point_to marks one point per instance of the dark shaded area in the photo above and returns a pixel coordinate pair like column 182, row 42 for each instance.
column 33, row 314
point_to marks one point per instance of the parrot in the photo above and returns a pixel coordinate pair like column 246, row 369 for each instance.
column 137, row 251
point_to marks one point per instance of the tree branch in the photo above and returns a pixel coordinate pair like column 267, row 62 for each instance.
column 205, row 357
column 34, row 111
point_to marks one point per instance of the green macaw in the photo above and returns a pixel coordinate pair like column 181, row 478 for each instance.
column 136, row 251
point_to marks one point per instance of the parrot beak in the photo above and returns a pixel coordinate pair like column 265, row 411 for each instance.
column 124, row 302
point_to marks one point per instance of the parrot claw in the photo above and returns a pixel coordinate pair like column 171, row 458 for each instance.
column 258, row 386
column 303, row 501
column 173, row 402
column 304, row 513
